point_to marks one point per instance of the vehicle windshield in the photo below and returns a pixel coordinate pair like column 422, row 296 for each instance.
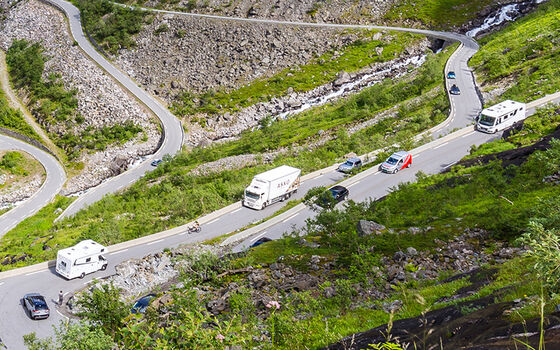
column 392, row 161
column 349, row 163
column 39, row 304
column 486, row 120
column 252, row 195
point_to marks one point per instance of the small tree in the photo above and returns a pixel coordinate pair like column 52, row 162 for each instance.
column 103, row 308
column 545, row 249
column 71, row 336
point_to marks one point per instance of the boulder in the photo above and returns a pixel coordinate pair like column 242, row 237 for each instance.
column 342, row 78
column 367, row 228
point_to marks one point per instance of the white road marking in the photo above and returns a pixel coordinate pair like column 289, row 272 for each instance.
column 154, row 242
column 62, row 315
column 88, row 282
column 259, row 236
column 452, row 164
column 1, row 283
column 443, row 144
column 236, row 210
column 467, row 135
column 182, row 233
column 291, row 217
column 120, row 251
column 213, row 221
column 65, row 294
column 32, row 273
column 355, row 183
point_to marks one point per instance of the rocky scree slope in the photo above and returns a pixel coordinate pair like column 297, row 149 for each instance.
column 333, row 11
column 101, row 101
column 198, row 54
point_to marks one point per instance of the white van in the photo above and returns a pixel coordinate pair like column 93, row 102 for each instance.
column 81, row 259
column 500, row 116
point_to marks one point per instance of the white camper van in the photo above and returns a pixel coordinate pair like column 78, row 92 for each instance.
column 500, row 116
column 81, row 259
column 272, row 186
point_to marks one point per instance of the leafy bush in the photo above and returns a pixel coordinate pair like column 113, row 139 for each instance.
column 13, row 119
column 13, row 162
column 103, row 308
column 112, row 26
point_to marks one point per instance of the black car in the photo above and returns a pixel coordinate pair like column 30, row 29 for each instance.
column 36, row 305
column 339, row 193
column 260, row 241
column 332, row 196
column 142, row 304
column 454, row 90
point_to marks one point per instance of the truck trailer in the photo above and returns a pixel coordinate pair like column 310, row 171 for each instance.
column 272, row 186
column 500, row 116
column 81, row 259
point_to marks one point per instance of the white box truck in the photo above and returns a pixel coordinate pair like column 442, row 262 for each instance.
column 272, row 186
column 81, row 259
column 500, row 116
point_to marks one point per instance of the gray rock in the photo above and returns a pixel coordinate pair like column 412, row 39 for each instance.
column 411, row 251
column 414, row 230
column 342, row 78
column 399, row 256
column 367, row 228
column 393, row 306
column 329, row 292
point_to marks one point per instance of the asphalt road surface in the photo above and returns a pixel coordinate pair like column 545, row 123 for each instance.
column 14, row 322
column 55, row 178
column 171, row 126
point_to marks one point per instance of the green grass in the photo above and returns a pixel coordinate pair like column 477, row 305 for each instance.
column 113, row 27
column 14, row 163
column 29, row 236
column 438, row 14
column 319, row 71
column 13, row 119
column 169, row 197
column 527, row 51
column 542, row 123
column 52, row 103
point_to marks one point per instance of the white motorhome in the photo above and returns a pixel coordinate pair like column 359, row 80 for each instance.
column 272, row 186
column 81, row 259
column 500, row 116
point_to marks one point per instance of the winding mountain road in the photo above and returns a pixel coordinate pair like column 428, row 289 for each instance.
column 55, row 178
column 171, row 126
column 429, row 158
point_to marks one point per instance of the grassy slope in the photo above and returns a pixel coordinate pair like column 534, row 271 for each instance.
column 440, row 14
column 470, row 194
column 526, row 52
column 319, row 71
column 169, row 197
column 13, row 120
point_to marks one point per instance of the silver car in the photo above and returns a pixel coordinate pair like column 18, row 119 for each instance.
column 36, row 305
column 350, row 164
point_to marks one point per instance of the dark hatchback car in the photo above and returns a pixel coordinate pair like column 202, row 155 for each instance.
column 142, row 304
column 454, row 90
column 36, row 306
column 332, row 196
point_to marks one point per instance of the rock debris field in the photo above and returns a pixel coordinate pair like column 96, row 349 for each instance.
column 101, row 101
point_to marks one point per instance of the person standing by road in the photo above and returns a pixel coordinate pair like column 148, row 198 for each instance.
column 60, row 298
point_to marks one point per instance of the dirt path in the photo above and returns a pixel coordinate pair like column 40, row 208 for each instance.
column 14, row 102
